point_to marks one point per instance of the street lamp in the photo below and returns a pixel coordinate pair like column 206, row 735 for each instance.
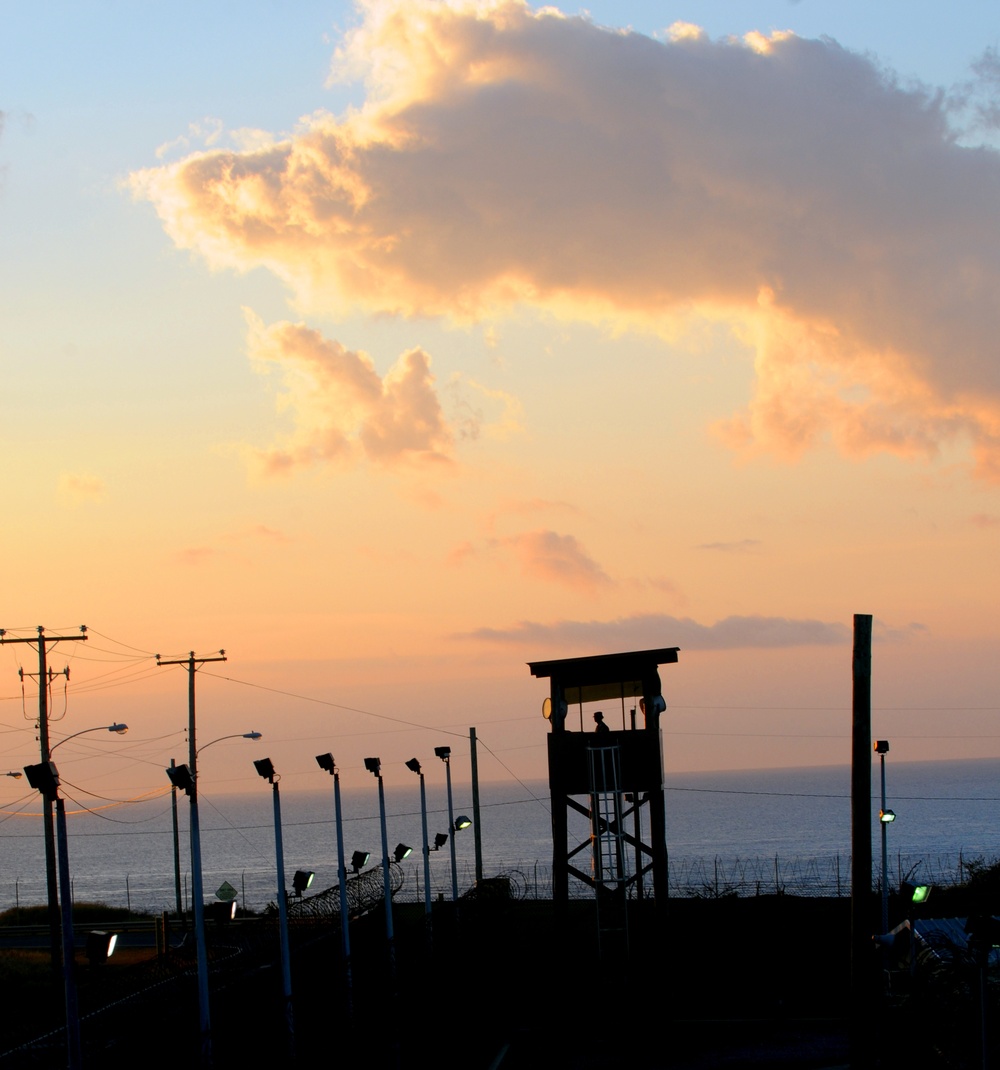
column 414, row 766
column 444, row 753
column 374, row 766
column 173, row 809
column 885, row 818
column 326, row 762
column 265, row 768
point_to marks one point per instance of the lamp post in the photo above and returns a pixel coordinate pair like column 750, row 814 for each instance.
column 414, row 766
column 265, row 768
column 374, row 766
column 326, row 762
column 444, row 753
column 44, row 777
column 885, row 818
column 173, row 811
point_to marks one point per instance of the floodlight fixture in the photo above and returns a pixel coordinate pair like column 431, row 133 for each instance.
column 462, row 822
column 440, row 839
column 915, row 893
column 180, row 777
column 43, row 777
column 100, row 946
column 881, row 746
column 264, row 768
column 359, row 860
column 886, row 816
column 222, row 910
column 374, row 765
column 444, row 753
column 326, row 763
column 302, row 880
column 413, row 765
column 402, row 851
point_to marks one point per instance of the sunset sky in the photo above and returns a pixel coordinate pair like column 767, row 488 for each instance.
column 392, row 346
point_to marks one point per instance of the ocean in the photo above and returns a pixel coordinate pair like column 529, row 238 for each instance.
column 751, row 831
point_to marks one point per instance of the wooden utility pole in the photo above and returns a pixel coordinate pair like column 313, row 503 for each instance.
column 44, row 641
column 862, row 1036
column 192, row 664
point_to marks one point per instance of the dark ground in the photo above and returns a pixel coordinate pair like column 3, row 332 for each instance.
column 706, row 984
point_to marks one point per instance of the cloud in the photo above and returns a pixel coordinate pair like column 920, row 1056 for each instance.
column 652, row 630
column 80, row 487
column 741, row 546
column 788, row 187
column 193, row 556
column 555, row 558
column 542, row 555
column 340, row 406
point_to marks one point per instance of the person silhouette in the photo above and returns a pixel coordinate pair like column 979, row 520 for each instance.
column 599, row 725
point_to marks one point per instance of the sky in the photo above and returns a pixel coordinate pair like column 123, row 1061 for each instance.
column 391, row 347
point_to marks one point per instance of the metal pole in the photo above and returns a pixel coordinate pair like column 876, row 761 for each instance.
column 427, row 850
column 177, row 847
column 885, row 870
column 345, row 933
column 386, row 882
column 74, row 1051
column 477, row 827
column 451, row 828
column 286, row 966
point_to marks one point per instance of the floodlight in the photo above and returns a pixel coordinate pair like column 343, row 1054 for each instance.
column 43, row 777
column 180, row 777
column 264, row 768
column 302, row 879
column 440, row 839
column 915, row 893
column 326, row 762
column 444, row 753
column 886, row 816
column 359, row 860
column 413, row 765
column 881, row 746
column 402, row 851
column 373, row 765
column 462, row 822
column 100, row 946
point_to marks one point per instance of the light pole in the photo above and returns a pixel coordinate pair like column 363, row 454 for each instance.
column 444, row 753
column 186, row 777
column 326, row 762
column 265, row 768
column 885, row 818
column 374, row 766
column 414, row 766
column 44, row 777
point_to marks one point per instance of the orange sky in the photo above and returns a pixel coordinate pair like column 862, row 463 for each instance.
column 445, row 337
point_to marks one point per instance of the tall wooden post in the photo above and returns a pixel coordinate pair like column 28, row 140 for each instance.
column 862, row 1036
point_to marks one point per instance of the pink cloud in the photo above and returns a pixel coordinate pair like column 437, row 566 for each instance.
column 340, row 406
column 507, row 156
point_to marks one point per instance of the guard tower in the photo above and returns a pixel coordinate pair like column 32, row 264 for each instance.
column 613, row 778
